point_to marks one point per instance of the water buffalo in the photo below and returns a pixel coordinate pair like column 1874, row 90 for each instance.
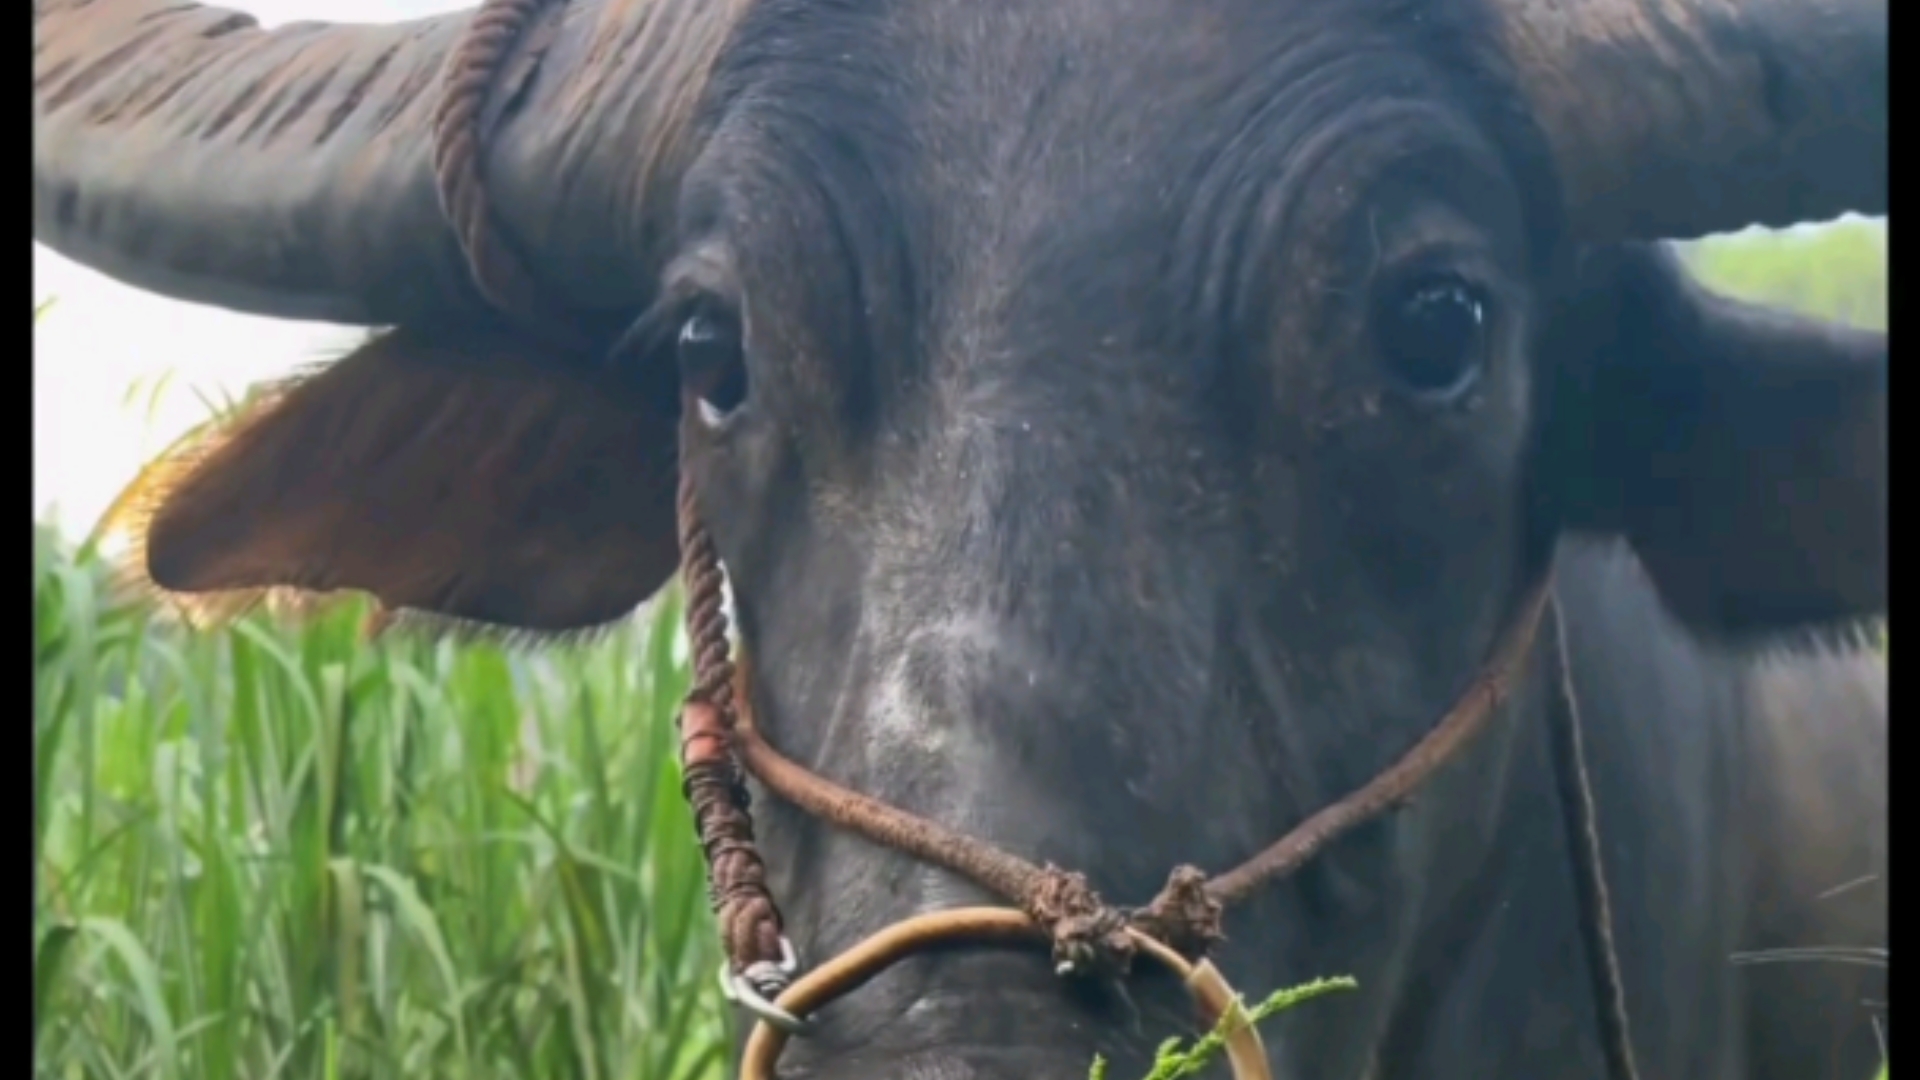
column 1124, row 423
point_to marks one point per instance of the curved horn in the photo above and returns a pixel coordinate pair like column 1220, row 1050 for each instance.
column 1679, row 118
column 288, row 172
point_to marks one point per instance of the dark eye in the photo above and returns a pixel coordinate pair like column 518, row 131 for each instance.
column 713, row 365
column 1432, row 335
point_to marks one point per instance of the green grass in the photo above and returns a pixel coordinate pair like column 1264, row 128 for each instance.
column 1839, row 272
column 1176, row 1061
column 268, row 853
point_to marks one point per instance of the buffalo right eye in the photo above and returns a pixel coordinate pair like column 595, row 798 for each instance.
column 713, row 365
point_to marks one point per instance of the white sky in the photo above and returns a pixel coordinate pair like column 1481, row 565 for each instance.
column 101, row 337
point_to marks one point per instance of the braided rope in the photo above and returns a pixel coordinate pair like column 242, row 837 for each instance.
column 711, row 778
column 467, row 83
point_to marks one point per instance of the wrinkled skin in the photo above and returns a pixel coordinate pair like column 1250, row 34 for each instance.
column 1075, row 500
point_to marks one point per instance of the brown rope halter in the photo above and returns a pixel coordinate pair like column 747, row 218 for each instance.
column 1088, row 937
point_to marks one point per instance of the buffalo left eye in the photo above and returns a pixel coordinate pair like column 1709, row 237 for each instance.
column 713, row 365
column 1432, row 335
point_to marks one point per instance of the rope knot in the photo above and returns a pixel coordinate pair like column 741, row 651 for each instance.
column 1185, row 916
column 1089, row 938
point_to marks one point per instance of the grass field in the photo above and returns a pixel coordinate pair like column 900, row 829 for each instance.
column 266, row 853
column 274, row 854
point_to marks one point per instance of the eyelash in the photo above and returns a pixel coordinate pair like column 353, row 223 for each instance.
column 657, row 327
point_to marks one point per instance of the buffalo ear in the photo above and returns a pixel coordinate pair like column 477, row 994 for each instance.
column 485, row 480
column 1741, row 451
